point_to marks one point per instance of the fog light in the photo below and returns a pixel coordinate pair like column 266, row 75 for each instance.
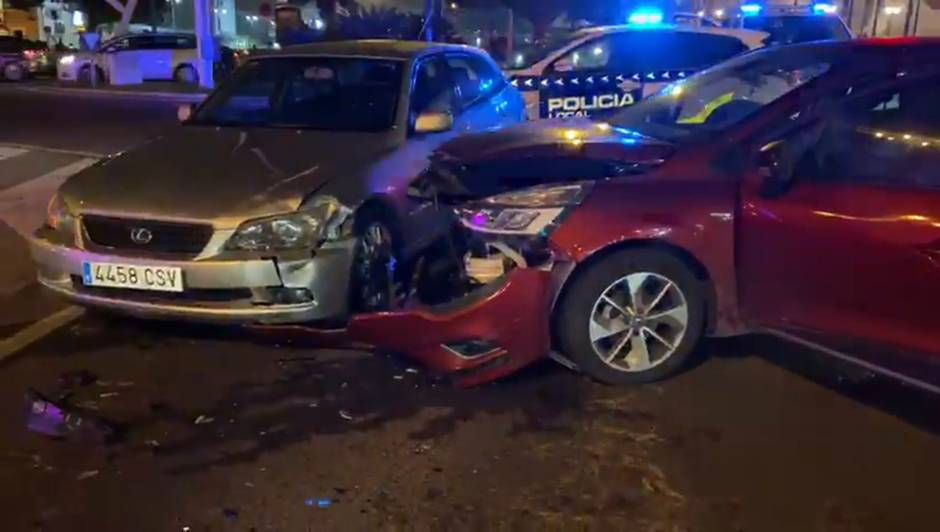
column 281, row 296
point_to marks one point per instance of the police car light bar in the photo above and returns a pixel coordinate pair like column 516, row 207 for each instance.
column 751, row 9
column 825, row 9
column 646, row 16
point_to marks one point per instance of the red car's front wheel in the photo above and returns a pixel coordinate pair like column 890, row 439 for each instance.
column 635, row 316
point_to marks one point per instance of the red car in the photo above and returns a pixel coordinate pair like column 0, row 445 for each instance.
column 794, row 191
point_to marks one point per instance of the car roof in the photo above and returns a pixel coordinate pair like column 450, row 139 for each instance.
column 390, row 49
column 899, row 49
column 753, row 38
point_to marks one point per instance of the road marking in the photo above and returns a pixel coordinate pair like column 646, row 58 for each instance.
column 38, row 331
column 36, row 147
column 8, row 152
column 23, row 207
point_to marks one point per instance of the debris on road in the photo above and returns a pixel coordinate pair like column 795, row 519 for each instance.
column 76, row 379
column 109, row 394
column 88, row 474
column 345, row 415
column 203, row 420
column 411, row 370
column 320, row 503
column 46, row 417
column 230, row 513
column 422, row 448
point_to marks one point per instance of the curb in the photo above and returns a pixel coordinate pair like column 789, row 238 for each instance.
column 171, row 96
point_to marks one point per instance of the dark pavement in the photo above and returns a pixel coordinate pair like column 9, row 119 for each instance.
column 760, row 436
column 86, row 123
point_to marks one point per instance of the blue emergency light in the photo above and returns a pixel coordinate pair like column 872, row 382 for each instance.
column 646, row 16
column 823, row 8
column 750, row 10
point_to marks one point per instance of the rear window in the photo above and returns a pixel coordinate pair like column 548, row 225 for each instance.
column 797, row 29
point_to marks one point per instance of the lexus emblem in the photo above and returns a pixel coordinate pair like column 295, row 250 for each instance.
column 141, row 235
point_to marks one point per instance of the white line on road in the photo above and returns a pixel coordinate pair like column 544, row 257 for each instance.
column 23, row 207
column 7, row 152
column 36, row 147
column 37, row 331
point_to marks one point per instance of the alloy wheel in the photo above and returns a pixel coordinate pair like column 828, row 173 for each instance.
column 377, row 268
column 638, row 322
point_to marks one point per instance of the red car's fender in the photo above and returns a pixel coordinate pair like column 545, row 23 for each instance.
column 693, row 217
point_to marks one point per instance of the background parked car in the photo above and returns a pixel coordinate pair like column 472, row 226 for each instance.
column 20, row 58
column 159, row 56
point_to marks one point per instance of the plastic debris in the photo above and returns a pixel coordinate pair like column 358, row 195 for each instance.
column 411, row 370
column 249, row 485
column 88, row 474
column 107, row 395
column 398, row 377
column 422, row 448
column 46, row 417
column 319, row 503
column 345, row 415
column 203, row 420
column 77, row 379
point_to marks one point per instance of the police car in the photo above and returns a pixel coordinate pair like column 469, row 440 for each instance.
column 597, row 71
column 790, row 24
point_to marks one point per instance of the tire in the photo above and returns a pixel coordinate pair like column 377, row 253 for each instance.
column 14, row 71
column 375, row 286
column 186, row 74
column 590, row 329
column 84, row 75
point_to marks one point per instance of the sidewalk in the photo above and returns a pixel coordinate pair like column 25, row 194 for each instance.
column 163, row 90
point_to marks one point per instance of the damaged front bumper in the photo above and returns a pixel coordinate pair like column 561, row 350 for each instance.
column 489, row 333
column 220, row 289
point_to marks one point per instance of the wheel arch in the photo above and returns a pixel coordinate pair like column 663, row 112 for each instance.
column 688, row 258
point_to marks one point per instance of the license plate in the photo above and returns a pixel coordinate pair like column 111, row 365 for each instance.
column 110, row 275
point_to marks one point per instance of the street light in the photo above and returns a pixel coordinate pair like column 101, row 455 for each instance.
column 719, row 13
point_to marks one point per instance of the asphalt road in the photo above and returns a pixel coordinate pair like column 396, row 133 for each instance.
column 759, row 436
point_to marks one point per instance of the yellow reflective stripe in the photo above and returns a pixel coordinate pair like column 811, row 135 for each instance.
column 709, row 108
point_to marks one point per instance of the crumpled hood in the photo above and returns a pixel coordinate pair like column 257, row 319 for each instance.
column 537, row 153
column 554, row 137
column 226, row 175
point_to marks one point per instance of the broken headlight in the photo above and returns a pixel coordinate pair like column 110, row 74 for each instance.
column 58, row 213
column 530, row 211
column 324, row 219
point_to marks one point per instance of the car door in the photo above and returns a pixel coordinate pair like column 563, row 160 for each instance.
column 157, row 57
column 849, row 253
column 617, row 70
column 486, row 100
column 591, row 80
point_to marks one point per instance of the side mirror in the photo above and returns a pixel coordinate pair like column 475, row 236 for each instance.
column 775, row 166
column 434, row 122
column 185, row 112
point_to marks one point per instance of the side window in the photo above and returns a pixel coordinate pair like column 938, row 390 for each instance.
column 695, row 51
column 593, row 55
column 433, row 90
column 891, row 137
column 116, row 46
column 140, row 43
column 474, row 77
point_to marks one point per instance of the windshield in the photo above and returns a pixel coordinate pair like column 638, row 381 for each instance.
column 797, row 29
column 716, row 99
column 324, row 93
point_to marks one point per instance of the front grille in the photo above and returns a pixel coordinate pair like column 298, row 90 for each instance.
column 164, row 237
